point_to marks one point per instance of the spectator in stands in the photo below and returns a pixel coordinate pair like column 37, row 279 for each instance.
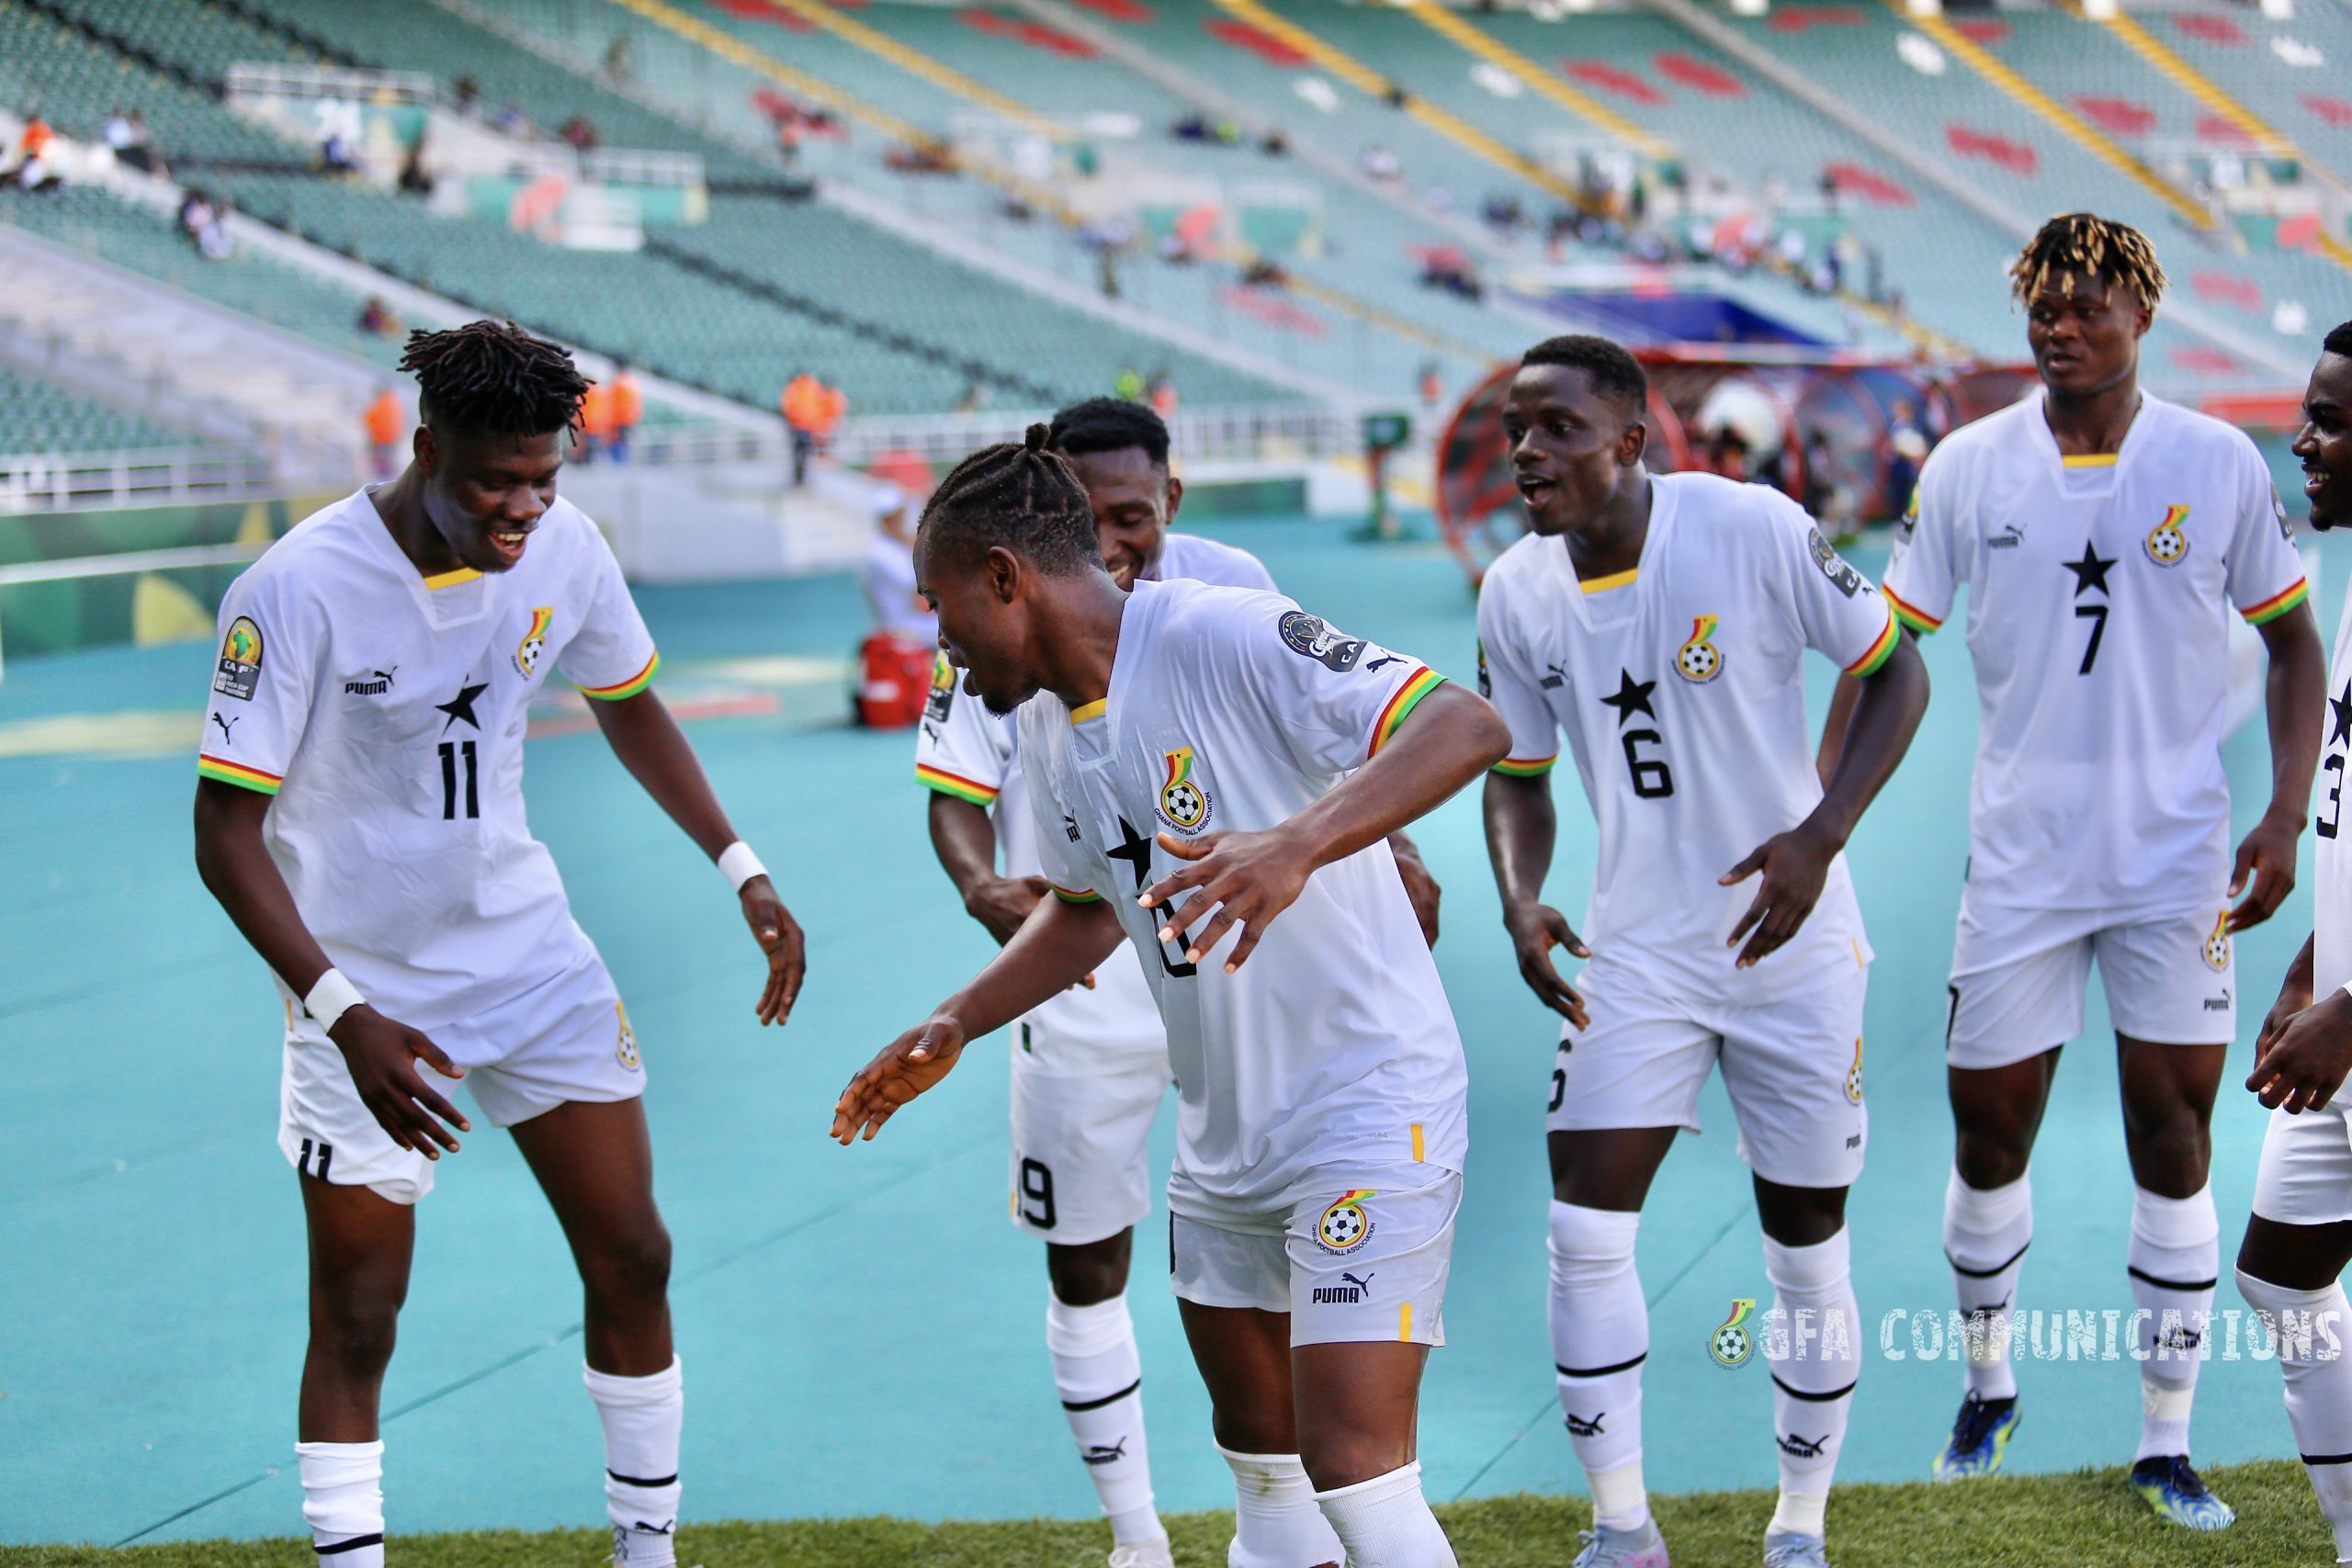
column 375, row 318
column 203, row 221
column 33, row 166
column 415, row 179
column 579, row 134
column 385, row 421
column 595, row 422
column 617, row 59
column 1380, row 162
column 973, row 399
column 335, row 153
column 468, row 94
column 888, row 572
column 1160, row 391
column 1432, row 382
column 629, row 408
column 1128, row 385
column 1907, row 448
column 116, row 132
column 135, row 150
column 806, row 409
column 509, row 120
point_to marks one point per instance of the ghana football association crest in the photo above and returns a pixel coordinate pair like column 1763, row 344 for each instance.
column 1698, row 660
column 1854, row 1073
column 1183, row 804
column 535, row 642
column 626, row 1049
column 1731, row 1343
column 2216, row 952
column 2168, row 542
column 1343, row 1226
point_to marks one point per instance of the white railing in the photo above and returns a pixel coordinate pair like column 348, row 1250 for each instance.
column 1247, row 434
column 77, row 482
column 639, row 167
column 264, row 78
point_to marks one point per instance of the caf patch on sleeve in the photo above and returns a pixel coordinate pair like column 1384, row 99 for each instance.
column 1834, row 566
column 240, row 661
column 1309, row 636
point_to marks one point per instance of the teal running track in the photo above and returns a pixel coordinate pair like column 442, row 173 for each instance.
column 861, row 1328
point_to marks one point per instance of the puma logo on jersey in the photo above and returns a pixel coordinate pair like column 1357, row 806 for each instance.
column 373, row 684
column 226, row 724
column 2009, row 538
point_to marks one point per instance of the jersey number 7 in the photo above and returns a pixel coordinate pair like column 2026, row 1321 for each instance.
column 2097, row 616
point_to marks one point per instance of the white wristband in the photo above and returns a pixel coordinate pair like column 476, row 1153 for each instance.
column 332, row 997
column 737, row 864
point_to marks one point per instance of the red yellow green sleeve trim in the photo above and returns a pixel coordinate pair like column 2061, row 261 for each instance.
column 1420, row 684
column 1918, row 620
column 239, row 774
column 961, row 788
column 2279, row 604
column 1527, row 767
column 1067, row 895
column 628, row 688
column 1878, row 652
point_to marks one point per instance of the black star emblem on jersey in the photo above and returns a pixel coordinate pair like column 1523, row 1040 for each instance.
column 2091, row 572
column 1632, row 696
column 2340, row 727
column 461, row 706
column 1135, row 848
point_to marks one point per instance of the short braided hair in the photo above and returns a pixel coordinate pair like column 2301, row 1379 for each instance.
column 1109, row 424
column 1018, row 496
column 2085, row 244
column 493, row 379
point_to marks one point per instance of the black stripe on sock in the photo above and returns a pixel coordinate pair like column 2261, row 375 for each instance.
column 669, row 1480
column 1959, row 1267
column 1106, row 1399
column 354, row 1544
column 1600, row 1372
column 2327, row 1459
column 1816, row 1398
column 2147, row 1278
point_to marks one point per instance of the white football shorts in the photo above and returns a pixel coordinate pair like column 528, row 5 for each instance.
column 1081, row 1132
column 1793, row 1068
column 1354, row 1255
column 2019, row 979
column 2305, row 1176
column 569, row 1039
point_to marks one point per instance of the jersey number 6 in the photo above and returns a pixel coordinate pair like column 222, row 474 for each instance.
column 1651, row 780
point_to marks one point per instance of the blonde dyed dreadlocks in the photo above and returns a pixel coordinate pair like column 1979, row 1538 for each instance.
column 2082, row 244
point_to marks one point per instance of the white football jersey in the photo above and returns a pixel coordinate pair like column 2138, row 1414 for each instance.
column 1679, row 685
column 1235, row 710
column 965, row 750
column 2332, row 860
column 385, row 712
column 2098, row 603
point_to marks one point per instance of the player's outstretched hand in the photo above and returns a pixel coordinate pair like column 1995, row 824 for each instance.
column 1534, row 929
column 1795, row 864
column 907, row 1067
column 2267, row 856
column 1420, row 887
column 780, row 938
column 2303, row 1063
column 2294, row 995
column 1003, row 904
column 382, row 1055
column 1246, row 879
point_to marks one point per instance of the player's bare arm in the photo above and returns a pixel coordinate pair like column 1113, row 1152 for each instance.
column 964, row 838
column 651, row 747
column 1057, row 948
column 2295, row 689
column 1250, row 878
column 1521, row 828
column 1420, row 885
column 1842, row 696
column 1793, row 866
column 382, row 1053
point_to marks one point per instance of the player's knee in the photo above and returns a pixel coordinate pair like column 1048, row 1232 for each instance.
column 2170, row 1137
column 355, row 1330
column 1337, row 1459
column 632, row 1268
column 1254, row 1431
column 1993, row 1150
column 1088, row 1275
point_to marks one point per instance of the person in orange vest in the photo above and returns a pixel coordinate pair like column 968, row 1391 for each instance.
column 596, row 421
column 628, row 409
column 385, row 420
column 808, row 410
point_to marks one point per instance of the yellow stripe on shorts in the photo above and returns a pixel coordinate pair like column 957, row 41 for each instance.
column 1405, row 1320
column 1417, row 1143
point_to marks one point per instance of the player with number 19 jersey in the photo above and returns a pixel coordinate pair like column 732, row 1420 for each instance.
column 1680, row 687
column 2099, row 592
column 385, row 712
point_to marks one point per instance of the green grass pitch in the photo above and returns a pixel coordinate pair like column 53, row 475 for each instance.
column 2089, row 1520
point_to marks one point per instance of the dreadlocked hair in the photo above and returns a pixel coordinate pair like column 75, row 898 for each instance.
column 1020, row 496
column 493, row 379
column 2084, row 244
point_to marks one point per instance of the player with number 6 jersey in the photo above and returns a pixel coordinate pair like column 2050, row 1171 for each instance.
column 2107, row 538
column 1661, row 623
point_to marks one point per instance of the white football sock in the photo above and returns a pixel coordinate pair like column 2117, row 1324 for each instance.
column 1100, row 1377
column 1386, row 1522
column 641, row 1418
column 2317, row 1367
column 1600, row 1333
column 2175, row 1259
column 1987, row 1231
column 343, row 1499
column 1275, row 1521
column 1816, row 1335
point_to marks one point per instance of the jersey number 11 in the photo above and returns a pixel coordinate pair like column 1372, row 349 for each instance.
column 452, row 752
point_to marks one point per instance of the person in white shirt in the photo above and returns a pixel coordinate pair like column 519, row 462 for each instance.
column 359, row 816
column 1661, row 623
column 2105, row 537
column 1205, row 761
column 887, row 575
column 2299, row 1236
